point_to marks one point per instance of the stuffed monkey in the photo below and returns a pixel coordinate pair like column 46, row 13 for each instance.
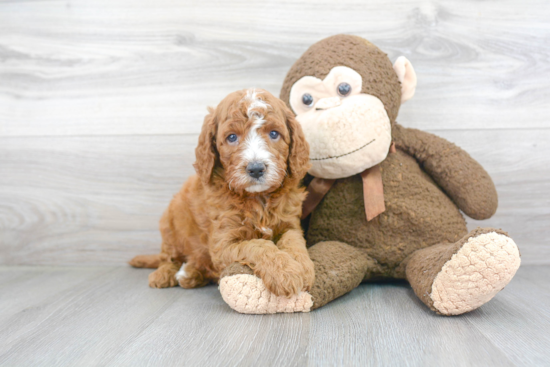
column 384, row 201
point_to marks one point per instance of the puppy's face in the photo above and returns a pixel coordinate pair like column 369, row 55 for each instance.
column 256, row 141
column 253, row 141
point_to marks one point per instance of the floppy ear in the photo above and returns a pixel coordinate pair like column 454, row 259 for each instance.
column 407, row 76
column 206, row 152
column 298, row 157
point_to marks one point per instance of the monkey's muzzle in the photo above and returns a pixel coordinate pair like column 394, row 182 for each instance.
column 326, row 103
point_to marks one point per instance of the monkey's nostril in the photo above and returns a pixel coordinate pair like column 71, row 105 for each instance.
column 255, row 169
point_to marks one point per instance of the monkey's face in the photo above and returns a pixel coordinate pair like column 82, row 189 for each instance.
column 347, row 131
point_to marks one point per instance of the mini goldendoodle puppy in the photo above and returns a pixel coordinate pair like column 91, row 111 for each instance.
column 245, row 203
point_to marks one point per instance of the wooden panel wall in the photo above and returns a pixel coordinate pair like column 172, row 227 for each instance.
column 101, row 103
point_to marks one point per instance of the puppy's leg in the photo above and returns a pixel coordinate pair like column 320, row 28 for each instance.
column 165, row 275
column 293, row 243
column 197, row 270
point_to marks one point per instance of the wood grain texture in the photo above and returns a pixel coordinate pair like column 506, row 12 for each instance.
column 151, row 67
column 100, row 104
column 87, row 199
column 97, row 200
column 109, row 316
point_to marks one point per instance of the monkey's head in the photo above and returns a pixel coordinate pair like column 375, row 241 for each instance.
column 346, row 94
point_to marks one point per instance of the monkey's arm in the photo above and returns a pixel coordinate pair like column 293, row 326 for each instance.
column 458, row 174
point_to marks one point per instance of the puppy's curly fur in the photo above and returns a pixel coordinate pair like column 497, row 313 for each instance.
column 225, row 214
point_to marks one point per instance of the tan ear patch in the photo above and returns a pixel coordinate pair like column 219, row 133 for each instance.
column 407, row 77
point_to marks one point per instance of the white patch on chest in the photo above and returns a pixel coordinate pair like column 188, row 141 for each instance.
column 267, row 231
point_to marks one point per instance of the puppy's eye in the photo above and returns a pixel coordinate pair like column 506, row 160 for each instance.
column 307, row 99
column 274, row 135
column 344, row 89
column 232, row 138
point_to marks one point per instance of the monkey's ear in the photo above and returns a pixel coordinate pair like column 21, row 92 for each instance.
column 206, row 152
column 405, row 72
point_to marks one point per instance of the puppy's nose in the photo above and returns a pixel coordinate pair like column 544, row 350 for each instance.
column 255, row 169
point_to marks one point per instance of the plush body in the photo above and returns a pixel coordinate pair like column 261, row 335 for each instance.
column 414, row 229
column 244, row 205
column 418, row 214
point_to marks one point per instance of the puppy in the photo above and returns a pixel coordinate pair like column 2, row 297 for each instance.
column 244, row 204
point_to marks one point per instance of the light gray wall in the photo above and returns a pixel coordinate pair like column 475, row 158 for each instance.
column 101, row 103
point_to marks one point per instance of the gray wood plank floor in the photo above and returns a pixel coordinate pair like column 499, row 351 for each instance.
column 108, row 316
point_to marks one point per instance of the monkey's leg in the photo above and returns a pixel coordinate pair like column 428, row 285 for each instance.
column 339, row 268
column 452, row 279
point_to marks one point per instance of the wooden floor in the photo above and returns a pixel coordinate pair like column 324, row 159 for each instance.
column 98, row 316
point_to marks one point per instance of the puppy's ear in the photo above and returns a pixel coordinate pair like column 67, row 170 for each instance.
column 206, row 152
column 298, row 157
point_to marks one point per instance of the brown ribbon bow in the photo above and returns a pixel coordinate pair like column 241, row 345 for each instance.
column 373, row 192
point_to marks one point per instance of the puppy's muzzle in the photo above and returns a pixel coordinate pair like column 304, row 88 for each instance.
column 255, row 169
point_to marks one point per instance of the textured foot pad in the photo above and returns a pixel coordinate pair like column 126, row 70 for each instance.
column 247, row 293
column 476, row 273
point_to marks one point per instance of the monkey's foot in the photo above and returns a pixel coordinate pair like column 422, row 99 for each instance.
column 472, row 271
column 482, row 267
column 246, row 293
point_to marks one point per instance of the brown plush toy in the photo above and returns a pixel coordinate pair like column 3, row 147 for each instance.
column 385, row 200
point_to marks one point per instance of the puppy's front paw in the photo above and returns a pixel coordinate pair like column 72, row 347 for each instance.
column 282, row 275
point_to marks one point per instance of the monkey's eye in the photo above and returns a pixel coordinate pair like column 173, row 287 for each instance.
column 232, row 139
column 274, row 135
column 344, row 89
column 307, row 99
